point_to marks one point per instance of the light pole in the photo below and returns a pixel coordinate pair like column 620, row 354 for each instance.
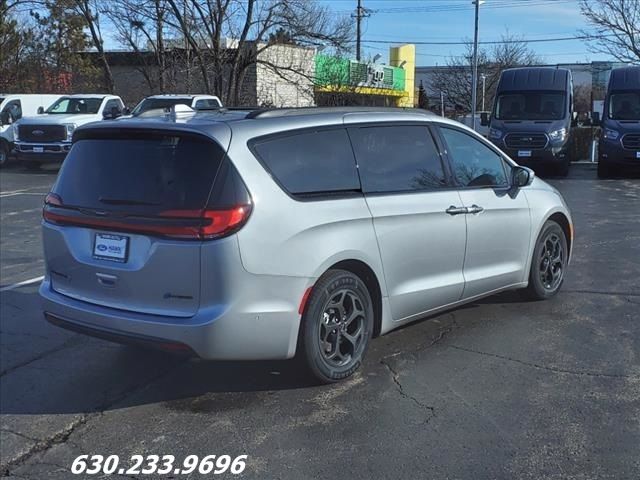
column 442, row 103
column 484, row 87
column 474, row 78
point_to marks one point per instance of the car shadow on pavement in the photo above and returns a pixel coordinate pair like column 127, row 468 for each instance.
column 47, row 370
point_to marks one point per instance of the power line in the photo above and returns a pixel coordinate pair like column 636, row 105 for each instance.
column 465, row 6
column 499, row 42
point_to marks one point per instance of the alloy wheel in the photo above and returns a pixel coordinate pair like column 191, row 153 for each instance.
column 342, row 328
column 551, row 262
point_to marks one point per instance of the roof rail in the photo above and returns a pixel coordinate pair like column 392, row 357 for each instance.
column 285, row 112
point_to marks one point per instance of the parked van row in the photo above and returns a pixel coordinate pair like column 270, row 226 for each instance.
column 533, row 119
column 39, row 128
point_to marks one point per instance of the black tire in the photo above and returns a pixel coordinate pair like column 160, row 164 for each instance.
column 548, row 264
column 4, row 154
column 562, row 170
column 339, row 299
column 604, row 171
column 32, row 165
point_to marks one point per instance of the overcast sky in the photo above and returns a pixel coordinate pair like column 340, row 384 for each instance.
column 452, row 20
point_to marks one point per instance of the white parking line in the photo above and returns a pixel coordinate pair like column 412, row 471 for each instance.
column 13, row 194
column 20, row 212
column 21, row 284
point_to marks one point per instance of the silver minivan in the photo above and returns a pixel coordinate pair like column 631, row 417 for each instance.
column 243, row 235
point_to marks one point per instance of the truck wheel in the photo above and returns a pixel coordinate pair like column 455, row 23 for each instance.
column 562, row 170
column 603, row 170
column 4, row 154
column 32, row 165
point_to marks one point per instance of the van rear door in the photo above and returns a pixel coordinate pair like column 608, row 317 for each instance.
column 124, row 222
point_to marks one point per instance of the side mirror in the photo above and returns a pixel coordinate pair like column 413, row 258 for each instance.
column 595, row 119
column 522, row 176
column 484, row 119
column 40, row 110
column 5, row 118
column 574, row 119
column 112, row 113
column 126, row 111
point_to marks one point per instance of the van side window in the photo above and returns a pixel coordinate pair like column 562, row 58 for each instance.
column 474, row 164
column 310, row 162
column 113, row 104
column 15, row 110
column 397, row 158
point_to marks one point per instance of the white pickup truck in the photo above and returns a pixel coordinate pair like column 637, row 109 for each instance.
column 47, row 138
column 195, row 102
column 12, row 108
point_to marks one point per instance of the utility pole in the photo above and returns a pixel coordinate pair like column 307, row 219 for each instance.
column 361, row 13
column 474, row 77
column 484, row 88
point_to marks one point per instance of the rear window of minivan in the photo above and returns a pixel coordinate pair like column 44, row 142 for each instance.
column 310, row 163
column 147, row 173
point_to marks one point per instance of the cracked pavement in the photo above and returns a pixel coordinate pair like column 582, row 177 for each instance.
column 500, row 388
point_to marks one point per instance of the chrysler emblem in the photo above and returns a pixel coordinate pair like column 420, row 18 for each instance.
column 37, row 132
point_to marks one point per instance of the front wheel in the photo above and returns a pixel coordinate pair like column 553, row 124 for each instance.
column 4, row 154
column 337, row 325
column 549, row 262
column 604, row 171
column 562, row 170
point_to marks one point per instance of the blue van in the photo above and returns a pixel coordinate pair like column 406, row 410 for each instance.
column 619, row 146
column 533, row 115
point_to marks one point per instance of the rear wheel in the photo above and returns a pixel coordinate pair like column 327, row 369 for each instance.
column 337, row 325
column 548, row 264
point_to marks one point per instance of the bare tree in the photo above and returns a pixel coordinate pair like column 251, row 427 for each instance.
column 89, row 11
column 615, row 27
column 455, row 80
column 249, row 25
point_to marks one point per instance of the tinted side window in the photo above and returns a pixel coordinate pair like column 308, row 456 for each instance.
column 397, row 158
column 311, row 162
column 207, row 103
column 112, row 104
column 14, row 110
column 474, row 164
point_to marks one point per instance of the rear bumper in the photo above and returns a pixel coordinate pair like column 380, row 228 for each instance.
column 253, row 328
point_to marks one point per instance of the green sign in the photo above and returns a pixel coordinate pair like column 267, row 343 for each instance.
column 340, row 72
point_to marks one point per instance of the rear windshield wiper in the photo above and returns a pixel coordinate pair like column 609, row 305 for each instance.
column 125, row 201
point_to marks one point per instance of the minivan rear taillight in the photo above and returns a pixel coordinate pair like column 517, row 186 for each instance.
column 184, row 224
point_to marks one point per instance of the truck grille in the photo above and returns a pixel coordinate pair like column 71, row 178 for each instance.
column 530, row 141
column 631, row 141
column 42, row 133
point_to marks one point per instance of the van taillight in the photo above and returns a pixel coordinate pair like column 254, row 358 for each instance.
column 186, row 224
column 53, row 199
column 214, row 223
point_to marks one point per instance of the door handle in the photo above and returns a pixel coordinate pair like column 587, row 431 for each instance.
column 456, row 210
column 474, row 209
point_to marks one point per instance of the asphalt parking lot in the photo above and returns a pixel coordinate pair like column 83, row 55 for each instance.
column 498, row 389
